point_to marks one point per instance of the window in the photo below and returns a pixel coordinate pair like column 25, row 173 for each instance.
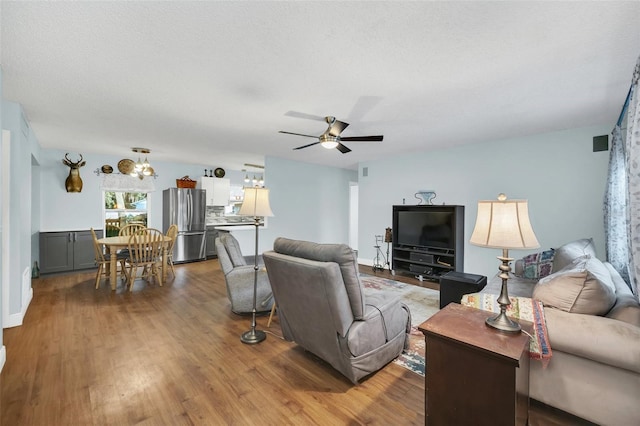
column 124, row 208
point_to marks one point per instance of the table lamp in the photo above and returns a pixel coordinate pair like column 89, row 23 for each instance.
column 256, row 204
column 504, row 224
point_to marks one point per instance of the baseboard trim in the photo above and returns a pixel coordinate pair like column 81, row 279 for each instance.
column 16, row 319
column 3, row 356
column 368, row 262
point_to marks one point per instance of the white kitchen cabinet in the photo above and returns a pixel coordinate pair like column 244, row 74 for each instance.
column 218, row 190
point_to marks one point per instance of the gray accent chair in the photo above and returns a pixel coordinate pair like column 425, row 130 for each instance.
column 323, row 307
column 239, row 278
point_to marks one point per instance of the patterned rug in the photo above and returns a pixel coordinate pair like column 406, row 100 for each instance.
column 422, row 302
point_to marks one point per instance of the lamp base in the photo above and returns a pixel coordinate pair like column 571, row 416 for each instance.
column 503, row 323
column 253, row 336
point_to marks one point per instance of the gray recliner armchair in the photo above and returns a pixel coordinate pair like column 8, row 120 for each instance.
column 322, row 306
column 239, row 278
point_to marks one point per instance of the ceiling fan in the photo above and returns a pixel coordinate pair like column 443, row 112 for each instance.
column 331, row 137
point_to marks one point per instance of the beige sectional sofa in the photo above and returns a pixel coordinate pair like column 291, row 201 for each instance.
column 593, row 323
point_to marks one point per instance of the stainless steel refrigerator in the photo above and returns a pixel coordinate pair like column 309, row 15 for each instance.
column 187, row 209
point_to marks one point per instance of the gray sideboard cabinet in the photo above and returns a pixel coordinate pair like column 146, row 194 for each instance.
column 67, row 251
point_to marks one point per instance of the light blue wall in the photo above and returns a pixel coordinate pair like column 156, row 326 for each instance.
column 558, row 173
column 62, row 210
column 309, row 202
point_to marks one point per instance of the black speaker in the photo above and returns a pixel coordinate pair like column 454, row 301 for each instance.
column 601, row 143
column 454, row 285
column 421, row 257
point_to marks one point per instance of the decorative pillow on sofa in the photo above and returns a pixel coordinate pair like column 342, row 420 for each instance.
column 538, row 265
column 582, row 287
column 567, row 253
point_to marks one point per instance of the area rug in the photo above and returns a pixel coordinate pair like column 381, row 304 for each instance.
column 422, row 302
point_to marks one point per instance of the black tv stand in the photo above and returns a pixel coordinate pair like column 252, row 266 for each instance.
column 429, row 262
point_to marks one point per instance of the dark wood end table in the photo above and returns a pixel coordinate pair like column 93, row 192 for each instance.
column 475, row 374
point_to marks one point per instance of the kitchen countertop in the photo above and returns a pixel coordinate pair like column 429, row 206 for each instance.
column 209, row 224
column 238, row 227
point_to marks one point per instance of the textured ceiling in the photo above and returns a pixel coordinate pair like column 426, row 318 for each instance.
column 211, row 82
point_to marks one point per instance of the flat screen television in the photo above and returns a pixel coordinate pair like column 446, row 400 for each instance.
column 424, row 228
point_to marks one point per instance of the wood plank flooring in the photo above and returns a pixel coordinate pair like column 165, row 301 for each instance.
column 172, row 356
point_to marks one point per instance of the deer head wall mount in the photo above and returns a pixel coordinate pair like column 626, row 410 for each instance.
column 73, row 183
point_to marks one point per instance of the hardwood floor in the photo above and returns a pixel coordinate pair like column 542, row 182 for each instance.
column 172, row 356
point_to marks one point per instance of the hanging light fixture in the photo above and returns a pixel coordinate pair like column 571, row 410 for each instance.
column 142, row 169
column 258, row 179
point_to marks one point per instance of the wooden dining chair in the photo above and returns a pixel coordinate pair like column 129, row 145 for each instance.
column 112, row 227
column 103, row 262
column 132, row 228
column 172, row 233
column 145, row 251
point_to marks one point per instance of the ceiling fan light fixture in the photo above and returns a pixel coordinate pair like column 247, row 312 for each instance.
column 331, row 138
column 328, row 141
column 329, row 144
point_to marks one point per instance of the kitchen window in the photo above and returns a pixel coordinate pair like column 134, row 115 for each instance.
column 124, row 208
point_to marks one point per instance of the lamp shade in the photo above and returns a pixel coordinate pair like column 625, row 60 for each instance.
column 256, row 202
column 504, row 224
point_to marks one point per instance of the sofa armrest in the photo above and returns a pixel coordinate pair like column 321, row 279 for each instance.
column 597, row 338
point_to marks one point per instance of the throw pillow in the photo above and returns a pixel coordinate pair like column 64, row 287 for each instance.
column 538, row 265
column 565, row 254
column 582, row 287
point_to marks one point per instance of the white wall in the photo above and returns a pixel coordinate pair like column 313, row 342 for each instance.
column 558, row 173
column 3, row 352
column 18, row 210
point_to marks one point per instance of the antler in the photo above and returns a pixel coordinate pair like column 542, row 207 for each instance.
column 70, row 163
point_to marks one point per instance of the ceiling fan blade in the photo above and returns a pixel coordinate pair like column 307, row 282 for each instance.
column 337, row 127
column 306, row 146
column 377, row 138
column 304, row 115
column 297, row 134
column 343, row 149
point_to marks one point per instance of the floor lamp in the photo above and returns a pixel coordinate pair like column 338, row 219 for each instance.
column 256, row 204
column 504, row 224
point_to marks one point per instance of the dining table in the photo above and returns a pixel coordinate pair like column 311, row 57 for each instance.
column 113, row 244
